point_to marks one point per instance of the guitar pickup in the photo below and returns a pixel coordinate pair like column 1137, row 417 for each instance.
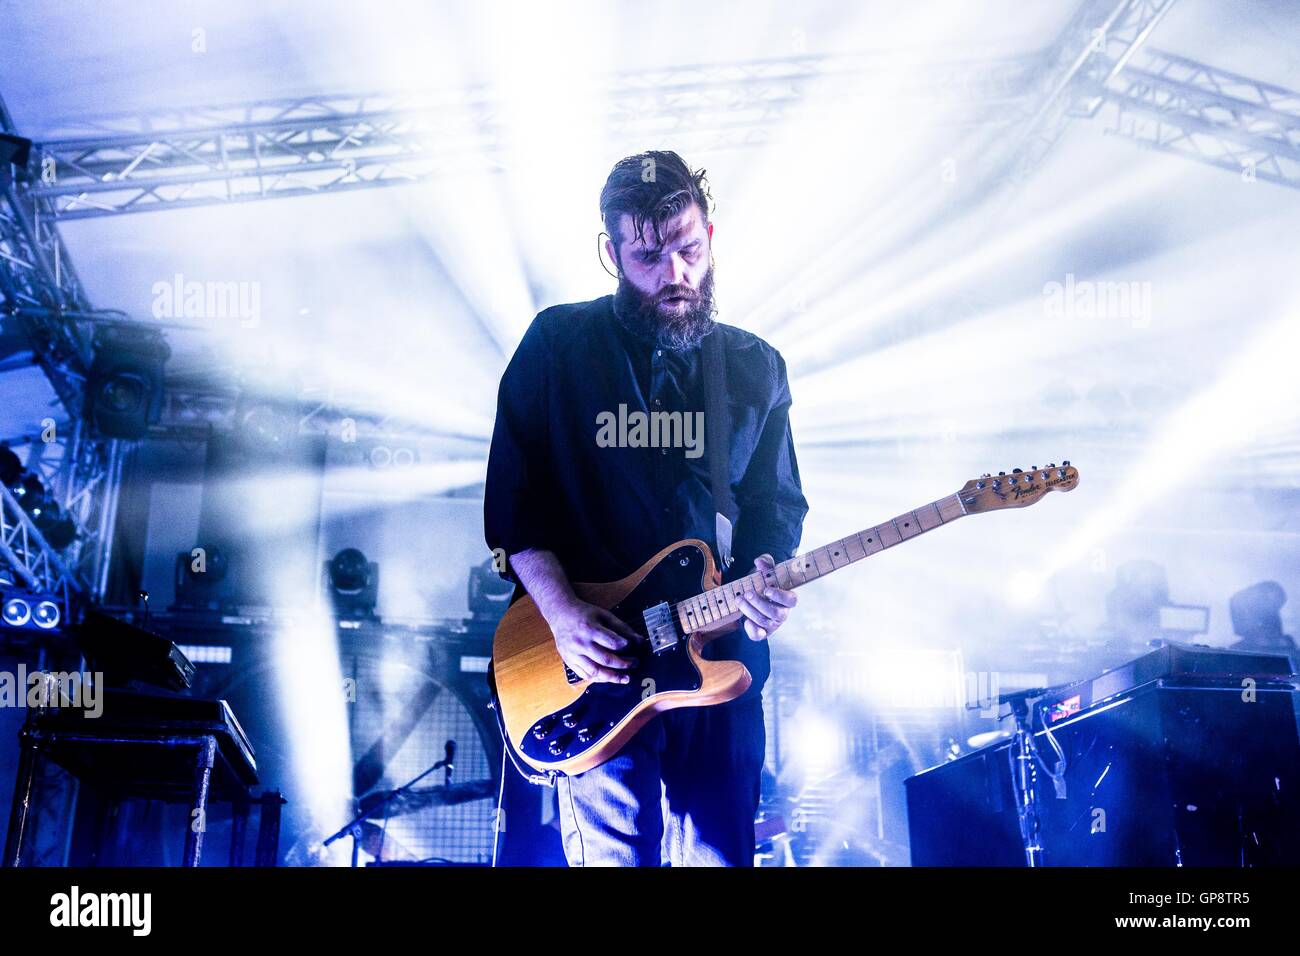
column 660, row 627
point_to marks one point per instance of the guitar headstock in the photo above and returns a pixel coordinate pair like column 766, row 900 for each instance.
column 1019, row 489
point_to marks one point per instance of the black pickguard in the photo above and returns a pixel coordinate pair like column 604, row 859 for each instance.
column 559, row 736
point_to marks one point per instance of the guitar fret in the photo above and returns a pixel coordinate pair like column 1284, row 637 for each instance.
column 928, row 514
column 709, row 608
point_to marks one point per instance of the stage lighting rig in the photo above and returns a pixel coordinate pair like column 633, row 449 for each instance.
column 15, row 152
column 30, row 611
column 199, row 577
column 57, row 528
column 124, row 391
column 11, row 466
column 488, row 593
column 353, row 584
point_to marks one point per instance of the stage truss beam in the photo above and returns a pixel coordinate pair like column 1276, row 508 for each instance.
column 43, row 300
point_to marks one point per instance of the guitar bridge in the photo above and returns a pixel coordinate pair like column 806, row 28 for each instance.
column 660, row 627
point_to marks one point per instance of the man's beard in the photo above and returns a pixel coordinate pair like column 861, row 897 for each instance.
column 671, row 330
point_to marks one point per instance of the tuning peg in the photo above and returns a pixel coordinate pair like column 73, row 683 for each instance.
column 1033, row 467
column 1066, row 463
column 1001, row 473
column 1017, row 471
column 986, row 475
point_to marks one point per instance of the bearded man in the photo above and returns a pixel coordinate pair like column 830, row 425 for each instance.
column 564, row 506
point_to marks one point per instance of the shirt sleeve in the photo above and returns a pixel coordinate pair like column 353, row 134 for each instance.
column 770, row 497
column 519, row 467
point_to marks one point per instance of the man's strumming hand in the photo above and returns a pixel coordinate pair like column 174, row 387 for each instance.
column 588, row 638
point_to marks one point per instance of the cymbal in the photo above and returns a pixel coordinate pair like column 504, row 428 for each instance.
column 420, row 798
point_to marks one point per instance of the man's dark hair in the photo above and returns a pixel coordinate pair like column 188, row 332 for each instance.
column 652, row 188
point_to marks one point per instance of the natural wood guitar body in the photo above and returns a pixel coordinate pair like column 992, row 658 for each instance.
column 531, row 679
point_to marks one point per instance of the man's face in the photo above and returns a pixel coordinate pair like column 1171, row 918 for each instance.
column 666, row 288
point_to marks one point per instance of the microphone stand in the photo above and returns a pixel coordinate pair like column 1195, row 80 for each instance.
column 353, row 827
column 1024, row 773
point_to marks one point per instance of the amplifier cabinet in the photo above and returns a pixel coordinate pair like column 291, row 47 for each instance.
column 1171, row 773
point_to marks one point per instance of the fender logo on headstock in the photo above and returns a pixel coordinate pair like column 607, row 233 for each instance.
column 1019, row 491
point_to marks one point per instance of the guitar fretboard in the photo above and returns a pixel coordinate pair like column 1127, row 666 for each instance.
column 721, row 605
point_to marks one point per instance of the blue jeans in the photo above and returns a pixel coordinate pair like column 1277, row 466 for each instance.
column 682, row 792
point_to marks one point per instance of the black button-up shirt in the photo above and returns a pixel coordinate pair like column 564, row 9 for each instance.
column 555, row 481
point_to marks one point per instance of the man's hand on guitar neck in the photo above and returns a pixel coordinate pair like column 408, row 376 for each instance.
column 586, row 636
column 766, row 611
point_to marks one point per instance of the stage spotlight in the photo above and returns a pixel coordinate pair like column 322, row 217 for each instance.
column 17, row 612
column 11, row 467
column 489, row 593
column 46, row 615
column 267, row 429
column 124, row 391
column 16, row 152
column 353, row 583
column 198, row 578
column 30, row 492
column 57, row 528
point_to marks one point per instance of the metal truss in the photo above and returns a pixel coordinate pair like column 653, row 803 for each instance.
column 309, row 145
column 194, row 413
column 1094, row 48
column 82, row 474
column 1176, row 105
column 25, row 554
column 42, row 296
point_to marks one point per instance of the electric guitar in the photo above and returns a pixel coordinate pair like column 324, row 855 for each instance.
column 558, row 723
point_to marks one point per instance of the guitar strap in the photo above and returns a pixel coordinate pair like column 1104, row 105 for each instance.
column 717, row 441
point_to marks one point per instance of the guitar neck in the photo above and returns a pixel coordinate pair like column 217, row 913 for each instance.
column 717, row 606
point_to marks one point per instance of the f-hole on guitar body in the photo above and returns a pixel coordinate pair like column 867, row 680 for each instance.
column 556, row 723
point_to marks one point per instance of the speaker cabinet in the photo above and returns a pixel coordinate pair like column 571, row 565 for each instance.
column 1164, row 775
